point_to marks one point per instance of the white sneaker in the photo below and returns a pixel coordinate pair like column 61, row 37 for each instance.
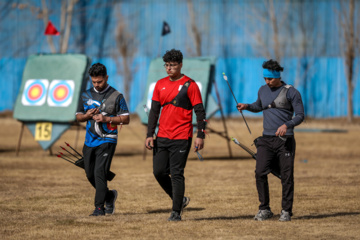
column 284, row 216
column 263, row 215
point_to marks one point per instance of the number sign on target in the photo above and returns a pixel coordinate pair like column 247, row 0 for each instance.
column 43, row 131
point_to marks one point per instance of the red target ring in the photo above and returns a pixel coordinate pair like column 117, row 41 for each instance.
column 35, row 92
column 61, row 92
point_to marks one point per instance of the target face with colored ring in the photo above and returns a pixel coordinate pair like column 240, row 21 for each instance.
column 61, row 93
column 35, row 92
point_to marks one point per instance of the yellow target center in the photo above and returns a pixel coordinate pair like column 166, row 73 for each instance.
column 60, row 93
column 35, row 92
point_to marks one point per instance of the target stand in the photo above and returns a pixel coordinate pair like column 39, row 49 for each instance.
column 49, row 95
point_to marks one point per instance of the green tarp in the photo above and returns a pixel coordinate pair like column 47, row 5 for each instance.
column 49, row 94
column 51, row 87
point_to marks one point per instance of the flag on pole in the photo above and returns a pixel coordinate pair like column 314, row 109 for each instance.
column 165, row 29
column 51, row 30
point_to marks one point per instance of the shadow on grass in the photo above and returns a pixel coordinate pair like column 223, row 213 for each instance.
column 167, row 210
column 127, row 154
column 339, row 214
column 234, row 158
column 7, row 150
column 225, row 218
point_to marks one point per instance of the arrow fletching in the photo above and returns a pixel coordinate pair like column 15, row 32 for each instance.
column 235, row 140
column 248, row 150
column 225, row 77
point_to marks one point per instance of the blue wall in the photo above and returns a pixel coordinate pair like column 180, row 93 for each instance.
column 229, row 30
column 324, row 92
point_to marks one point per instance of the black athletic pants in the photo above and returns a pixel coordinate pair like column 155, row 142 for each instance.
column 273, row 152
column 97, row 162
column 170, row 158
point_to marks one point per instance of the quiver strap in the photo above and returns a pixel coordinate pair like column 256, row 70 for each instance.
column 281, row 100
column 109, row 105
column 182, row 100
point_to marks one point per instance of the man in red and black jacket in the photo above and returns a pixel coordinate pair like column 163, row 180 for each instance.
column 177, row 95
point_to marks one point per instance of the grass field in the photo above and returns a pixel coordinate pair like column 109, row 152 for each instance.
column 44, row 197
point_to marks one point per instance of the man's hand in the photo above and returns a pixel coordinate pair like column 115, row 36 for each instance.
column 91, row 112
column 100, row 118
column 281, row 130
column 88, row 115
column 198, row 144
column 149, row 143
column 241, row 106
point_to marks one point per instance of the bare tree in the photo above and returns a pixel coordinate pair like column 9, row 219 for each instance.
column 274, row 24
column 272, row 45
column 67, row 7
column 45, row 16
column 193, row 28
column 62, row 21
column 126, row 46
column 68, row 21
column 350, row 49
column 305, row 41
column 66, row 14
column 296, row 37
column 28, row 38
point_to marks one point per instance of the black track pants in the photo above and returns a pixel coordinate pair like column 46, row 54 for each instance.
column 97, row 162
column 170, row 159
column 272, row 152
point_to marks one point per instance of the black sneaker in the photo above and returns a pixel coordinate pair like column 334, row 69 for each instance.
column 174, row 217
column 99, row 211
column 110, row 205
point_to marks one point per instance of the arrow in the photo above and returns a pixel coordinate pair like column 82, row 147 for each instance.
column 73, row 149
column 253, row 154
column 226, row 79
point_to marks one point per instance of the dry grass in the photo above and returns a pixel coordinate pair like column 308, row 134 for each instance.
column 43, row 197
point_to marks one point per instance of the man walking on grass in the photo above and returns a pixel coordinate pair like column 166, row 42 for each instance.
column 103, row 108
column 276, row 148
column 177, row 95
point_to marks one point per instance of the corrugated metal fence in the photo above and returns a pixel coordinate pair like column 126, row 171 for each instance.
column 324, row 91
column 230, row 30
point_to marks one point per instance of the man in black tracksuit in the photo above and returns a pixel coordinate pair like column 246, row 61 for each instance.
column 276, row 148
column 103, row 109
column 176, row 96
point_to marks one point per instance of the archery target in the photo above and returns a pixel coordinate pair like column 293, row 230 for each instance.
column 149, row 96
column 34, row 92
column 61, row 93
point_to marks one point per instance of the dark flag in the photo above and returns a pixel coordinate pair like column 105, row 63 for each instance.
column 51, row 30
column 165, row 29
